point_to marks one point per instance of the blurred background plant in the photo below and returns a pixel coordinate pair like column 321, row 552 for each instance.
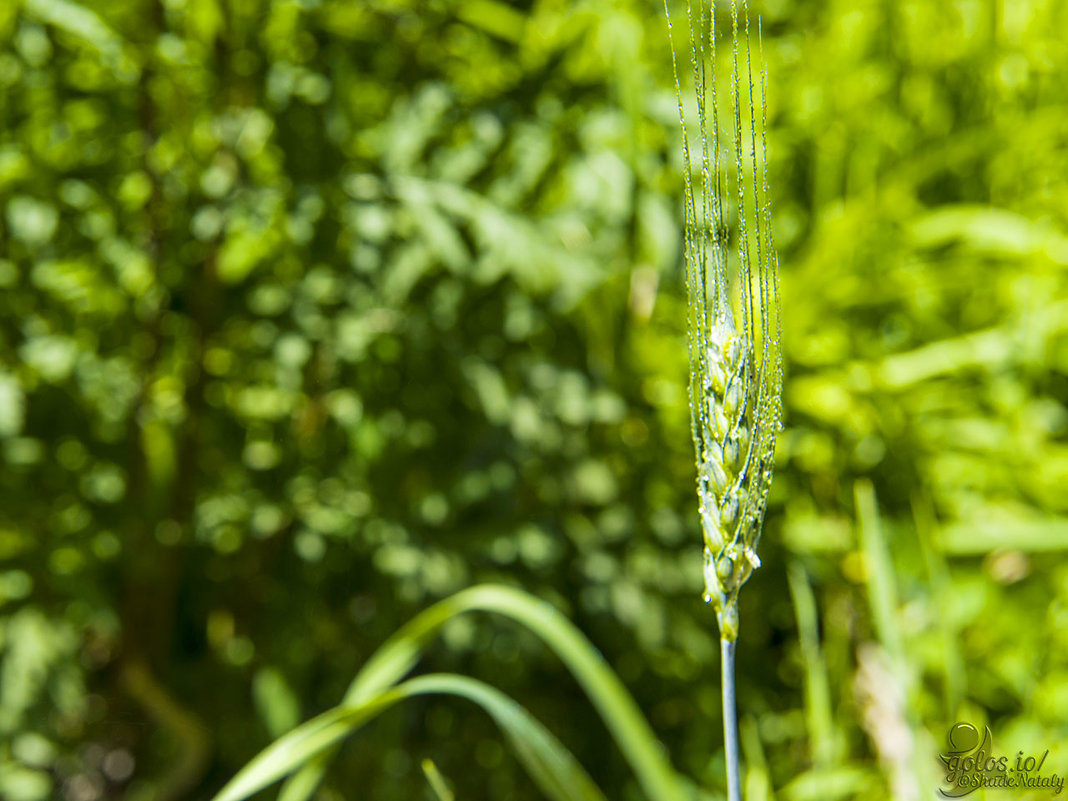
column 316, row 312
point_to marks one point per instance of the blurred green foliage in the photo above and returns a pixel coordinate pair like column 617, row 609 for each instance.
column 315, row 311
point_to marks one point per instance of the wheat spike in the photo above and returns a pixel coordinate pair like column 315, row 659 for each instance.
column 733, row 288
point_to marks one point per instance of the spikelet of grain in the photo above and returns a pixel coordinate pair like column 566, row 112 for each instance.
column 733, row 288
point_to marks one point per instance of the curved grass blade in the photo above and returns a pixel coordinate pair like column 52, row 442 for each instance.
column 615, row 705
column 552, row 767
column 437, row 781
column 291, row 751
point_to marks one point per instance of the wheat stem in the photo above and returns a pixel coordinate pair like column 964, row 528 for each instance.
column 734, row 343
column 730, row 718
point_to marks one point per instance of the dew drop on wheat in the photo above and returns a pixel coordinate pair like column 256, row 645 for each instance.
column 709, row 573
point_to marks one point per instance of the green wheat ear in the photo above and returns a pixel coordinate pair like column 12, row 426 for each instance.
column 733, row 287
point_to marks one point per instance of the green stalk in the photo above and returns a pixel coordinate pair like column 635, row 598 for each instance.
column 730, row 718
column 735, row 350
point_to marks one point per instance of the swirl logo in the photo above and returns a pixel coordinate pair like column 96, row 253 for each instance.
column 970, row 763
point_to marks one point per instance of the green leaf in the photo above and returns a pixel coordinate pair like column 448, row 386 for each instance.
column 828, row 785
column 879, row 570
column 552, row 767
column 608, row 695
column 437, row 781
column 86, row 26
column 818, row 713
column 275, row 702
column 294, row 749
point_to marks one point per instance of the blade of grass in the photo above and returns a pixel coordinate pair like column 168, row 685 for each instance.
column 757, row 778
column 615, row 705
column 552, row 767
column 882, row 589
column 953, row 670
column 437, row 781
column 911, row 770
column 831, row 784
column 292, row 750
column 817, row 682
